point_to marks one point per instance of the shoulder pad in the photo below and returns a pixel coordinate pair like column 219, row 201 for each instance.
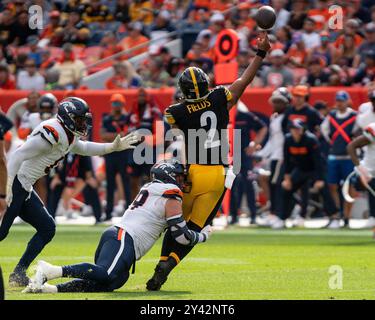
column 174, row 193
column 168, row 115
column 49, row 133
column 227, row 93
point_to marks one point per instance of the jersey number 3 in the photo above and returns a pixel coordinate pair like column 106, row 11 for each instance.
column 210, row 143
column 140, row 200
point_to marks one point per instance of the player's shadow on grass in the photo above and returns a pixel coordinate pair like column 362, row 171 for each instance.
column 145, row 294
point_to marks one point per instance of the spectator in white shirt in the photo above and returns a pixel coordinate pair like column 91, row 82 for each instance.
column 30, row 79
column 367, row 115
column 282, row 15
column 310, row 37
column 273, row 150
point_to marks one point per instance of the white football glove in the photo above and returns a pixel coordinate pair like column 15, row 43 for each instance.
column 229, row 178
column 9, row 195
column 207, row 231
column 124, row 143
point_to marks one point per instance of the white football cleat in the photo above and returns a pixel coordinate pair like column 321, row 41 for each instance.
column 299, row 222
column 370, row 223
column 32, row 287
column 334, row 224
column 45, row 288
column 278, row 224
column 270, row 220
column 44, row 272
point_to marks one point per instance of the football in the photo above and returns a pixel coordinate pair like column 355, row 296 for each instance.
column 265, row 17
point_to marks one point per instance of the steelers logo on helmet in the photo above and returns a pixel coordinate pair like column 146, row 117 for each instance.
column 193, row 84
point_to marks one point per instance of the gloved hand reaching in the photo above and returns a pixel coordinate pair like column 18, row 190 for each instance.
column 121, row 144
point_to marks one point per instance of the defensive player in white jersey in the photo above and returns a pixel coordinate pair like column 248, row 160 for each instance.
column 157, row 206
column 48, row 143
column 365, row 168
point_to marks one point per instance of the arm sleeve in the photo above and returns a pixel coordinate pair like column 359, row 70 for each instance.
column 182, row 234
column 324, row 128
column 33, row 146
column 87, row 148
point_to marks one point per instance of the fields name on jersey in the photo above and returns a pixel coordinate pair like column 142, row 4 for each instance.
column 203, row 144
column 194, row 107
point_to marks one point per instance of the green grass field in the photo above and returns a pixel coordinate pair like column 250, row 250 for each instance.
column 237, row 263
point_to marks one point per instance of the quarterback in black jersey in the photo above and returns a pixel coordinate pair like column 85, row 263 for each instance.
column 202, row 117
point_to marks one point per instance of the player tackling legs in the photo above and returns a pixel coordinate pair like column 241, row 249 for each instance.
column 208, row 111
column 49, row 142
column 157, row 206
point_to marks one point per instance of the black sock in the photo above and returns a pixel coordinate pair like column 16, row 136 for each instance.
column 86, row 271
column 79, row 285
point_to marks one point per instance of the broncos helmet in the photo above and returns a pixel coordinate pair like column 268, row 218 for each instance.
column 47, row 105
column 167, row 172
column 193, row 83
column 74, row 114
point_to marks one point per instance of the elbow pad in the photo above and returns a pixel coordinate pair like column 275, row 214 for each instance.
column 181, row 233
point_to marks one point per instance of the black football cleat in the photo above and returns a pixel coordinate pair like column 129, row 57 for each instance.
column 18, row 279
column 162, row 270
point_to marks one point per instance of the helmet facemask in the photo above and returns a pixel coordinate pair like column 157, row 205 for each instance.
column 83, row 124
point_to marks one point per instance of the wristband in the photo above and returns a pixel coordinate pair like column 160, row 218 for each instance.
column 261, row 53
column 2, row 196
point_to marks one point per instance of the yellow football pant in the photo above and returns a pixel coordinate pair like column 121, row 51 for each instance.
column 202, row 202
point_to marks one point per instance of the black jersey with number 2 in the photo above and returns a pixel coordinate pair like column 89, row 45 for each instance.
column 204, row 125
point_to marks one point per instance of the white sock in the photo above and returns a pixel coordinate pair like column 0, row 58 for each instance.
column 54, row 272
column 49, row 288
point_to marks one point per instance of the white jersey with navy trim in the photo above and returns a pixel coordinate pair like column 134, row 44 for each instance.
column 368, row 160
column 33, row 169
column 145, row 218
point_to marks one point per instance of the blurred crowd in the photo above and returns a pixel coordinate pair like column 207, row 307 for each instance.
column 76, row 34
column 298, row 163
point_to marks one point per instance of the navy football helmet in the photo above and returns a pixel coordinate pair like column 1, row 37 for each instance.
column 168, row 172
column 74, row 114
column 47, row 105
